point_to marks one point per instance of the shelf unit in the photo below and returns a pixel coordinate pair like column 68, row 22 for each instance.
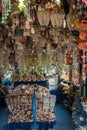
column 79, row 115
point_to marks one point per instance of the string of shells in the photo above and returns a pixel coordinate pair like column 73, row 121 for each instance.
column 29, row 78
column 19, row 103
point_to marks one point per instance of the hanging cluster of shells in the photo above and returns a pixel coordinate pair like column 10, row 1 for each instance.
column 34, row 41
column 50, row 13
column 19, row 103
column 74, row 16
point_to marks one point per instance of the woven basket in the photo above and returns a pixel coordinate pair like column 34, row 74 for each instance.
column 56, row 19
column 43, row 17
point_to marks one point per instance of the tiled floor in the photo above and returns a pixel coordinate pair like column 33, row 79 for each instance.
column 64, row 121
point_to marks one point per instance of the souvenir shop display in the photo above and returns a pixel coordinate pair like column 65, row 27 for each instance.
column 43, row 60
column 19, row 102
column 79, row 114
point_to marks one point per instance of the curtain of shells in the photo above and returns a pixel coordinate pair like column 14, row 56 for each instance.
column 44, row 40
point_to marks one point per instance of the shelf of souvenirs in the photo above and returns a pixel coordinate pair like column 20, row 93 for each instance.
column 79, row 113
column 69, row 90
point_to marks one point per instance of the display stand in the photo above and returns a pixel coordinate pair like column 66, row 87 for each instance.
column 79, row 115
column 42, row 83
column 31, row 125
column 57, row 92
column 79, row 105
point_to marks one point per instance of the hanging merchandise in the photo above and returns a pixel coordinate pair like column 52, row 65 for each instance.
column 58, row 2
column 32, row 30
column 56, row 18
column 74, row 16
column 83, row 36
column 83, row 26
column 12, row 57
column 84, row 3
column 82, row 45
column 54, row 35
column 43, row 17
column 66, row 37
column 23, row 39
column 24, row 6
column 82, row 42
column 69, row 59
column 50, row 12
column 21, row 5
column 6, row 10
column 72, row 20
column 86, row 69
